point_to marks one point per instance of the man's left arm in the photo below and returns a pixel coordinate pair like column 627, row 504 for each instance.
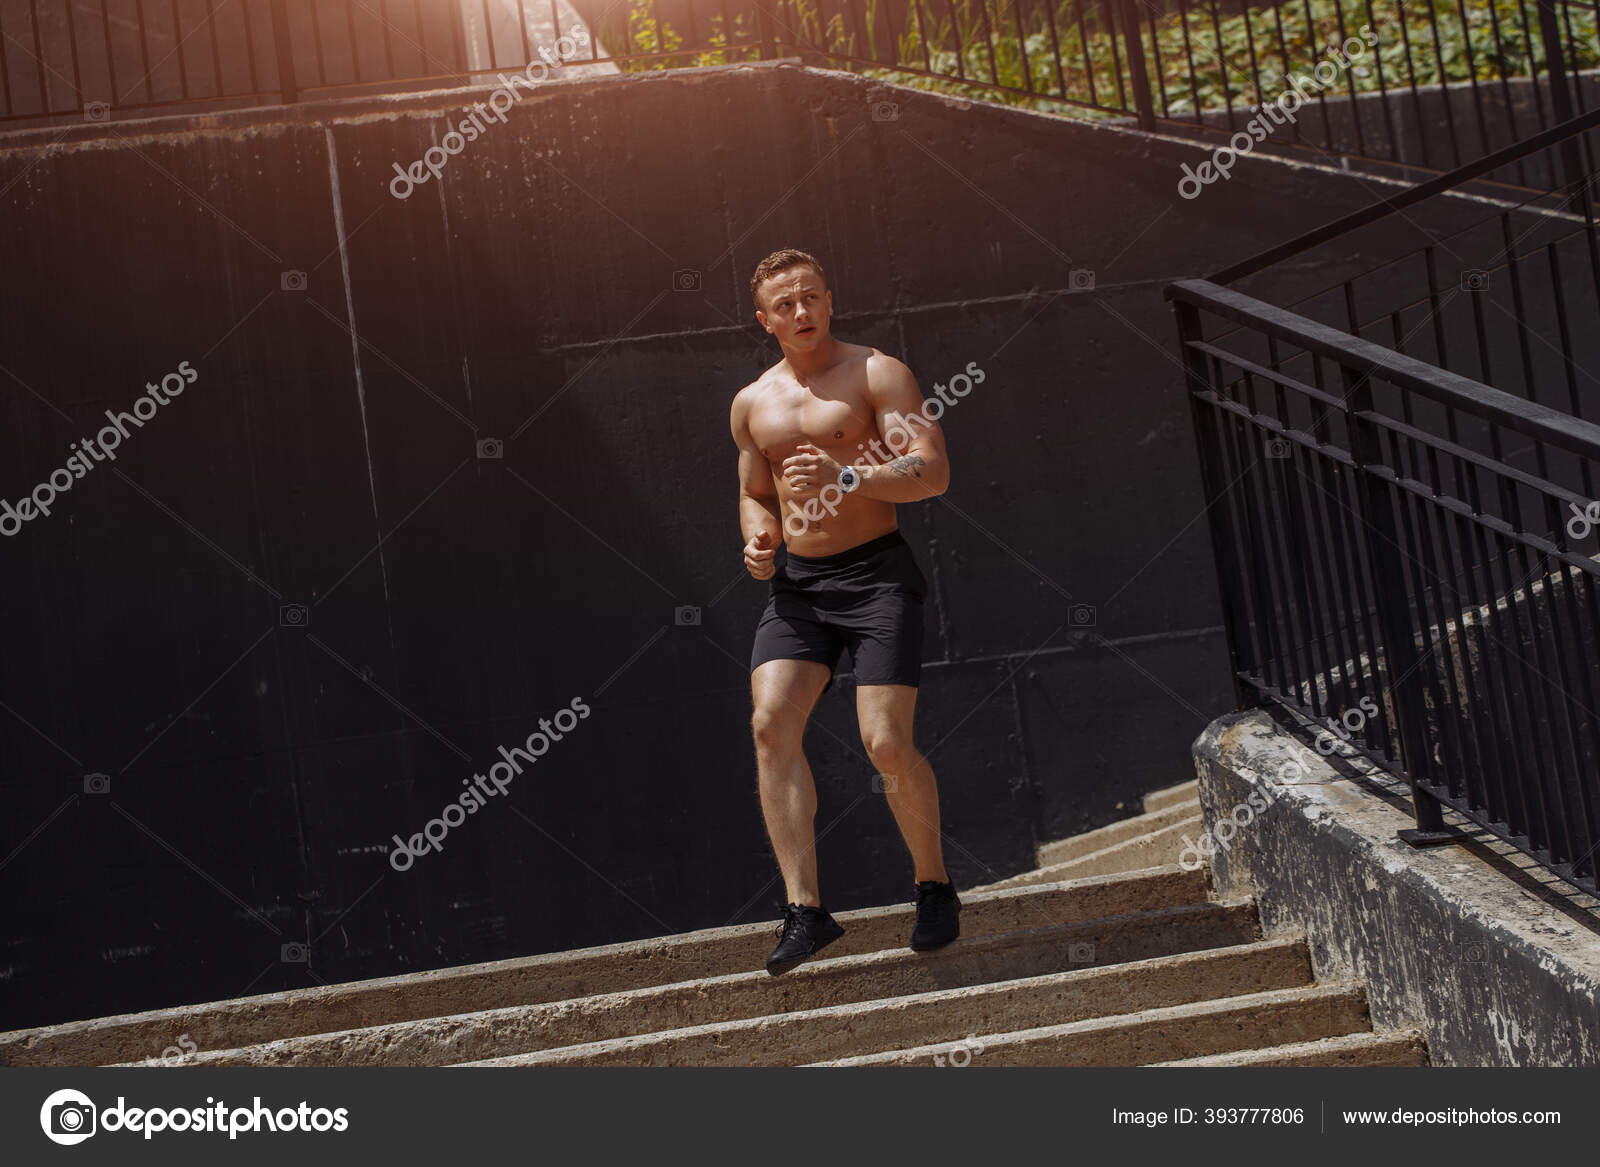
column 921, row 468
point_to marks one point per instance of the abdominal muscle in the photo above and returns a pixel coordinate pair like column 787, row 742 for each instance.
column 849, row 521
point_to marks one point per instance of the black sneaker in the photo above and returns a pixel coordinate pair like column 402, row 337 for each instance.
column 938, row 915
column 805, row 931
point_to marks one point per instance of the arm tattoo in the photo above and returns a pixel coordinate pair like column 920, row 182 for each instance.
column 907, row 465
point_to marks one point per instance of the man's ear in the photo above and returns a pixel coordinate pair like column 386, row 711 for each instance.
column 761, row 318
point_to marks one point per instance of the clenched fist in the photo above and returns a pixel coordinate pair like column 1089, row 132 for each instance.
column 809, row 470
column 758, row 556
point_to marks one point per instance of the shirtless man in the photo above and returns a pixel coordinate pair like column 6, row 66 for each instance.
column 849, row 580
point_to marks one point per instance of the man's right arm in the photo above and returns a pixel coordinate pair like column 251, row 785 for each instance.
column 758, row 496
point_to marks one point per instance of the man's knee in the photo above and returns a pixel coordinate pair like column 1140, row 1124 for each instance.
column 777, row 728
column 890, row 753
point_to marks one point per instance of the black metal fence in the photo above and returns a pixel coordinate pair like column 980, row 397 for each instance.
column 1407, row 555
column 1507, row 294
column 1424, row 83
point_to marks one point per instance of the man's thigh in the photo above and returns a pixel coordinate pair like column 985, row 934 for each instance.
column 789, row 688
column 886, row 712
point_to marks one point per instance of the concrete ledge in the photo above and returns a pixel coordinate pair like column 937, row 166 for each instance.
column 1493, row 961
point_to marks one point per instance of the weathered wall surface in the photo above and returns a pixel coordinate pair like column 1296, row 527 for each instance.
column 1489, row 958
column 308, row 601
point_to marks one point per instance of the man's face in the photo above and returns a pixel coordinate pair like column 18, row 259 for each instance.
column 798, row 308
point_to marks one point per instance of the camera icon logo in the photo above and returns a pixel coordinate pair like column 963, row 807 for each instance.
column 491, row 449
column 686, row 279
column 1081, row 615
column 96, row 111
column 1473, row 953
column 293, row 616
column 885, row 111
column 97, row 784
column 1080, row 280
column 885, row 784
column 68, row 1117
column 686, row 616
column 1081, row 952
column 294, row 953
column 1277, row 447
column 1474, row 280
column 292, row 281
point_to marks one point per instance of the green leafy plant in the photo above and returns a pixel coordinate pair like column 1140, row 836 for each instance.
column 1061, row 54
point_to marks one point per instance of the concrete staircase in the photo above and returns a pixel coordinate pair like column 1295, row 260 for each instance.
column 1108, row 954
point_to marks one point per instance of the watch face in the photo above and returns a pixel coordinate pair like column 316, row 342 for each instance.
column 848, row 477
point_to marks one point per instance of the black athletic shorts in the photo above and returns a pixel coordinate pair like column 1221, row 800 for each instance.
column 867, row 598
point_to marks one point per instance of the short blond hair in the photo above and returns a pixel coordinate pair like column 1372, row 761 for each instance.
column 782, row 261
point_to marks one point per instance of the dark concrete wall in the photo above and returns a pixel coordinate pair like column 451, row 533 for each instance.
column 258, row 766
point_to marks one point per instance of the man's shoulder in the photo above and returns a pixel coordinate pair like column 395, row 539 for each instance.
column 746, row 397
column 760, row 383
column 881, row 369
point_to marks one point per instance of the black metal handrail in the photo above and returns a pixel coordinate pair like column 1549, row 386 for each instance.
column 1504, row 292
column 1385, row 207
column 1386, row 571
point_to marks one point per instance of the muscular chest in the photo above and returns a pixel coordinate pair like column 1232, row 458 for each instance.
column 787, row 420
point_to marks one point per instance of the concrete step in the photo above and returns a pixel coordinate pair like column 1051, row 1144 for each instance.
column 1156, row 848
column 945, row 1016
column 1401, row 1048
column 1173, row 796
column 1065, row 850
column 755, row 993
column 563, row 976
column 1251, row 1021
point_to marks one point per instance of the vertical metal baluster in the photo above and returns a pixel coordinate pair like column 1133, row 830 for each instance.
column 1322, row 97
column 1383, row 88
column 38, row 55
column 1444, row 87
column 1350, row 82
column 177, row 35
column 1399, row 652
column 1055, row 45
column 1416, row 93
